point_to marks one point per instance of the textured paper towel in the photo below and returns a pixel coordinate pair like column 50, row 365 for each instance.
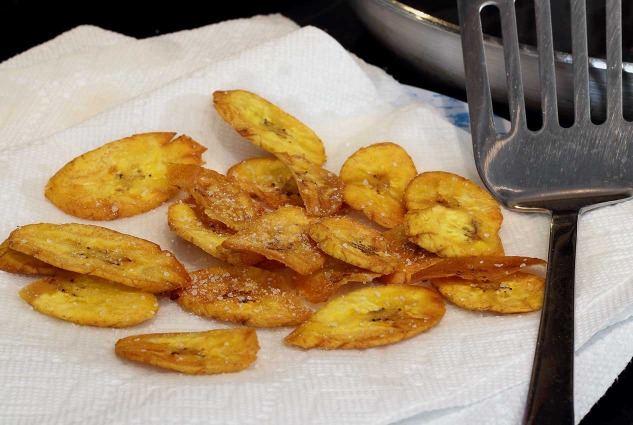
column 468, row 358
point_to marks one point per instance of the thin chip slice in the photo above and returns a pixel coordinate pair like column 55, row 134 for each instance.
column 319, row 286
column 375, row 178
column 269, row 179
column 320, row 189
column 267, row 126
column 97, row 251
column 122, row 178
column 193, row 353
column 482, row 269
column 451, row 216
column 370, row 317
column 222, row 198
column 354, row 243
column 245, row 295
column 187, row 219
column 13, row 261
column 517, row 293
column 281, row 235
column 89, row 300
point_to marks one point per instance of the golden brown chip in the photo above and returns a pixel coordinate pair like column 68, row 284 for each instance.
column 281, row 235
column 354, row 243
column 89, row 300
column 267, row 126
column 222, row 198
column 269, row 179
column 375, row 178
column 122, row 178
column 245, row 295
column 194, row 353
column 13, row 261
column 97, row 251
column 187, row 220
column 517, row 293
column 484, row 268
column 451, row 216
column 320, row 189
column 319, row 286
column 370, row 317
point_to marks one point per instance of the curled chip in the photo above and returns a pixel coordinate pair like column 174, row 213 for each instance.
column 97, row 251
column 187, row 220
column 319, row 286
column 451, row 216
column 194, row 353
column 320, row 189
column 369, row 317
column 269, row 179
column 484, row 268
column 375, row 178
column 89, row 300
column 122, row 178
column 280, row 235
column 13, row 261
column 267, row 126
column 245, row 295
column 354, row 243
column 517, row 293
column 222, row 198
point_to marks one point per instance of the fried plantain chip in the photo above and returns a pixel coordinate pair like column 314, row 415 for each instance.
column 370, row 317
column 222, row 198
column 267, row 126
column 354, row 243
column 89, row 300
column 97, row 251
column 517, row 293
column 269, row 179
column 13, row 261
column 246, row 295
column 193, row 353
column 483, row 268
column 375, row 178
column 122, row 178
column 320, row 189
column 451, row 216
column 280, row 235
column 187, row 219
column 318, row 287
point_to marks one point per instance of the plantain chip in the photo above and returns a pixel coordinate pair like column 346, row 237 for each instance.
column 370, row 317
column 13, row 261
column 122, row 178
column 354, row 243
column 320, row 189
column 318, row 287
column 246, row 295
column 89, row 300
column 375, row 178
column 193, row 353
column 187, row 219
column 451, row 216
column 97, row 251
column 222, row 198
column 269, row 179
column 280, row 235
column 267, row 126
column 517, row 293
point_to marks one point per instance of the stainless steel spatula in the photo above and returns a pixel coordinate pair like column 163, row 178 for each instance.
column 556, row 169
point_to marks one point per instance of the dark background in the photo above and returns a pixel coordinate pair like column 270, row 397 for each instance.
column 27, row 23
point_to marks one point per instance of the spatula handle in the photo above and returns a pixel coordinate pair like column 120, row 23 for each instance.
column 551, row 395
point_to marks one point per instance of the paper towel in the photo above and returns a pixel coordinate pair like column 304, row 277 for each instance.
column 452, row 366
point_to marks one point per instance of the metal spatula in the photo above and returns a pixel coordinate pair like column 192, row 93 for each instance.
column 556, row 169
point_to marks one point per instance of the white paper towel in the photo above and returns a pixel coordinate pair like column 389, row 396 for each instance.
column 60, row 373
